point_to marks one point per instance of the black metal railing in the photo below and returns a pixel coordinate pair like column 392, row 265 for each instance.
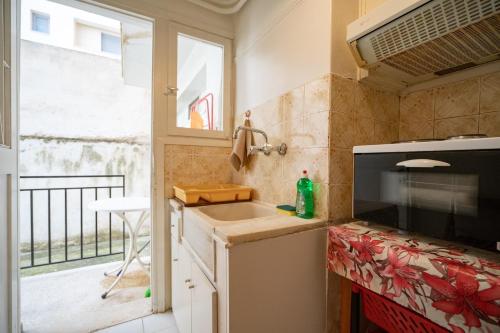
column 112, row 191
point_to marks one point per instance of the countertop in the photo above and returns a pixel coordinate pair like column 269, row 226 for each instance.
column 258, row 228
column 266, row 227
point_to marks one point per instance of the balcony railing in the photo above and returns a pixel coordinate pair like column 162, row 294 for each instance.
column 47, row 196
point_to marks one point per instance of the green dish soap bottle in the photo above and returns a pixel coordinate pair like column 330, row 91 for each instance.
column 305, row 201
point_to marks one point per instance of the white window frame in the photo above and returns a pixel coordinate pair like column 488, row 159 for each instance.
column 189, row 136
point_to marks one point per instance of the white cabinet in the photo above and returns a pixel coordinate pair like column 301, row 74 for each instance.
column 272, row 285
column 194, row 299
column 203, row 303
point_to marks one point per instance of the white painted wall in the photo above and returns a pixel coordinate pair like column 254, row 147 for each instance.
column 279, row 45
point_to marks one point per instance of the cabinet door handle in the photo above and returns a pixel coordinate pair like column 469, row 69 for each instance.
column 422, row 163
column 191, row 286
column 175, row 259
column 187, row 280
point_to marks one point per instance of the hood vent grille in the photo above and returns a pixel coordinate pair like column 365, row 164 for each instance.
column 449, row 34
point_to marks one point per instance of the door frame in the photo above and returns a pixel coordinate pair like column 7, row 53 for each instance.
column 160, row 270
column 9, row 262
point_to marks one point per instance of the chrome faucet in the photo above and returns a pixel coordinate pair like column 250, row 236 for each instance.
column 266, row 148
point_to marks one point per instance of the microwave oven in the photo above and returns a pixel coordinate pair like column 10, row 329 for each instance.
column 447, row 189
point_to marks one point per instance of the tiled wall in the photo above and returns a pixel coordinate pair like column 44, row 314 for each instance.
column 300, row 118
column 360, row 115
column 320, row 122
column 195, row 165
column 470, row 106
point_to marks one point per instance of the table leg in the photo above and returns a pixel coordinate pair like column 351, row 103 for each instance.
column 128, row 259
column 137, row 256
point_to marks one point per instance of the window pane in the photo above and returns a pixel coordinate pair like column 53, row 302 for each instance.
column 40, row 22
column 110, row 43
column 200, row 77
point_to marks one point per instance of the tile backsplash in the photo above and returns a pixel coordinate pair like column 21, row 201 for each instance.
column 466, row 107
column 320, row 122
column 195, row 165
column 300, row 118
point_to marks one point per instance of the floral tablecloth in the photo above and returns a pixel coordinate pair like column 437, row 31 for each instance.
column 455, row 287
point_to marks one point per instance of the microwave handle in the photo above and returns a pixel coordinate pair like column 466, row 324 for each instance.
column 422, row 163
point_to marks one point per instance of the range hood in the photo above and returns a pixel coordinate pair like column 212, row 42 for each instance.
column 404, row 42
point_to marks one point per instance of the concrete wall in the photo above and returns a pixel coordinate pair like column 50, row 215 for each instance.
column 78, row 117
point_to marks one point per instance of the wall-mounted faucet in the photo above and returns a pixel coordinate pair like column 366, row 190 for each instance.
column 266, row 148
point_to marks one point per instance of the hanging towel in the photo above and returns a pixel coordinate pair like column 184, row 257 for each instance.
column 241, row 148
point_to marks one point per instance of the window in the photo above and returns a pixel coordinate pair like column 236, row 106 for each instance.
column 110, row 43
column 40, row 22
column 198, row 89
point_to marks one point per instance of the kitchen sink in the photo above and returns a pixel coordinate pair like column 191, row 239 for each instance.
column 200, row 222
column 237, row 211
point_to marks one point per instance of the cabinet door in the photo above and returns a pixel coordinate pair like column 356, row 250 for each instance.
column 203, row 303
column 182, row 304
column 176, row 277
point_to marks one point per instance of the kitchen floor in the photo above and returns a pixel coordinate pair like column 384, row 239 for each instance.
column 157, row 323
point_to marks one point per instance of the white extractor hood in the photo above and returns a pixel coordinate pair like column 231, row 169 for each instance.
column 404, row 42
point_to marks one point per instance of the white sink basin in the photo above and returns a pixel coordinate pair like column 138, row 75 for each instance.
column 237, row 211
column 200, row 222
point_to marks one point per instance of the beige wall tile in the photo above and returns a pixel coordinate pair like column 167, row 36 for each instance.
column 341, row 130
column 268, row 114
column 340, row 201
column 195, row 165
column 457, row 99
column 414, row 130
column 316, row 127
column 489, row 124
column 456, row 126
column 490, row 93
column 387, row 107
column 365, row 101
column 317, row 95
column 364, row 130
column 314, row 160
column 385, row 132
column 293, row 104
column 294, row 132
column 417, row 107
column 341, row 166
column 343, row 94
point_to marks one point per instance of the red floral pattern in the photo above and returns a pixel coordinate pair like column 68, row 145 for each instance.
column 457, row 288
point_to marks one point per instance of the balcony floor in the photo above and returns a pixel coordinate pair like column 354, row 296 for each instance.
column 70, row 301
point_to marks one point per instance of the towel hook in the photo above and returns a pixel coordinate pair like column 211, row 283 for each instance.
column 247, row 114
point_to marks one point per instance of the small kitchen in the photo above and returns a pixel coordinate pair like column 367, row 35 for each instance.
column 398, row 133
column 316, row 166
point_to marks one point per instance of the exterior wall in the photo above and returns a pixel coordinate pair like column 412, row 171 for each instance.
column 78, row 117
column 465, row 107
